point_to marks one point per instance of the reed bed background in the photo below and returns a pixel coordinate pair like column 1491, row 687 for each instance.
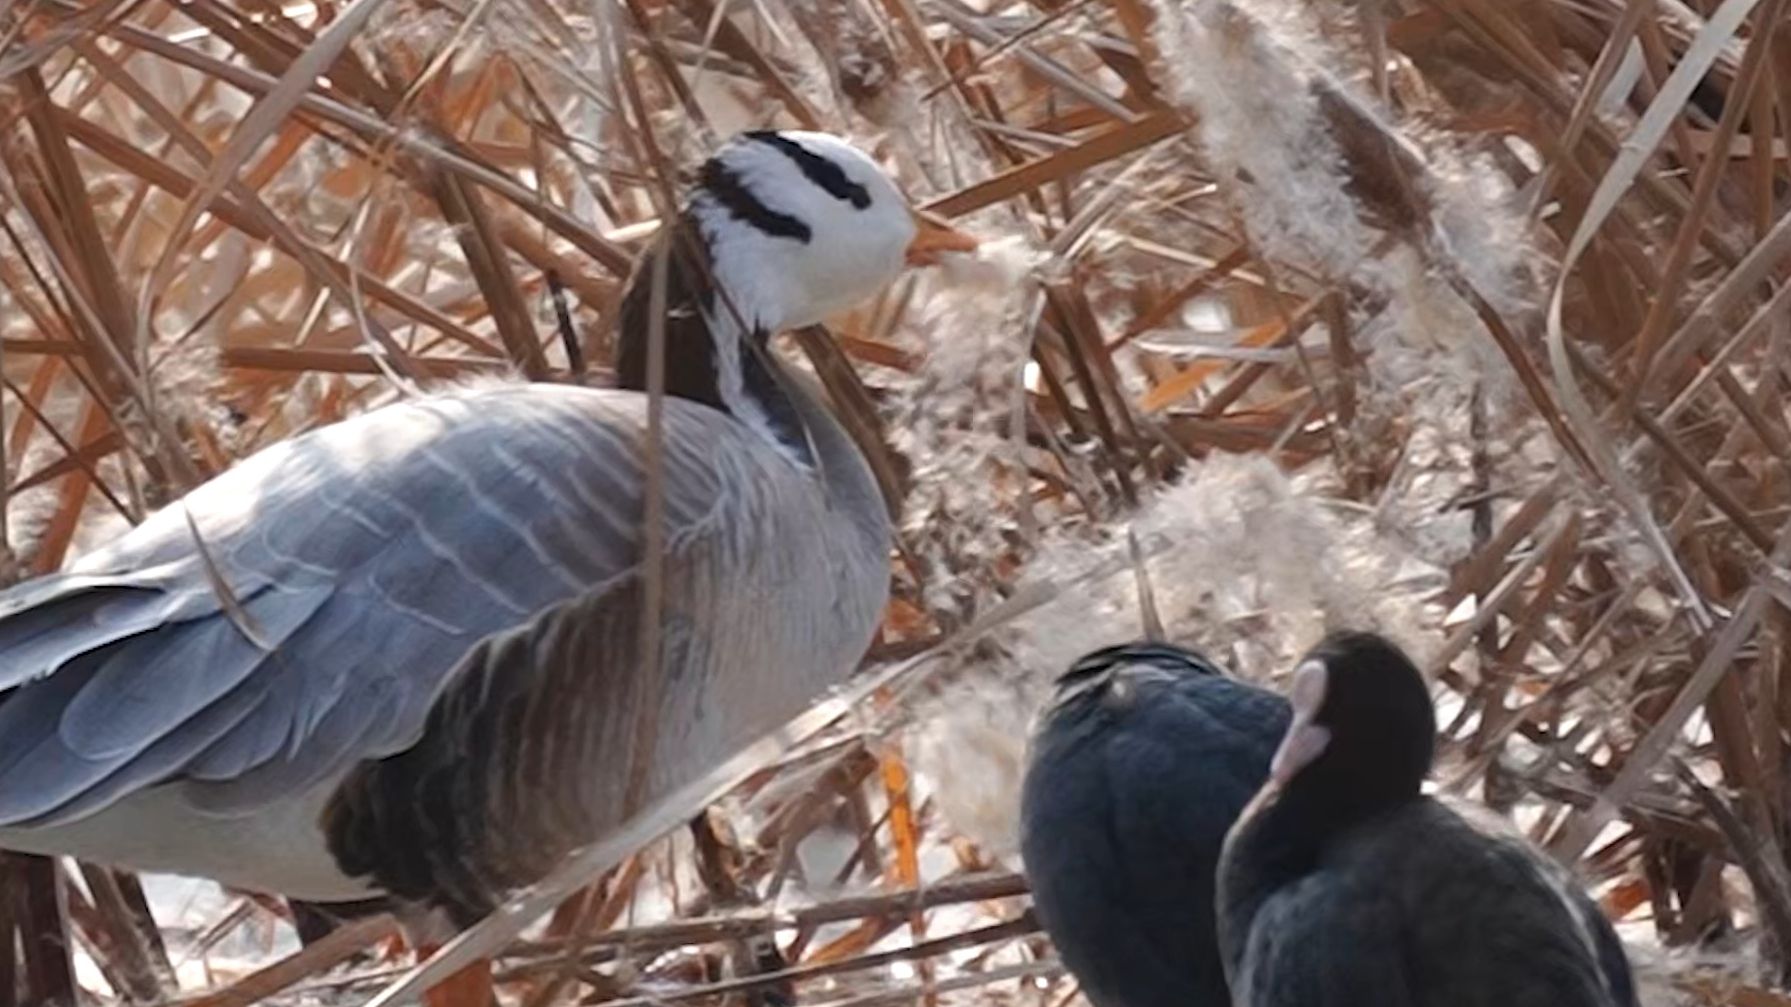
column 1461, row 319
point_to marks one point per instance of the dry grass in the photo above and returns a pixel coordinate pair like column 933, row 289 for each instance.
column 1463, row 318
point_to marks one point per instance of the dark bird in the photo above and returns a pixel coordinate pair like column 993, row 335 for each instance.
column 1343, row 885
column 1139, row 767
column 401, row 657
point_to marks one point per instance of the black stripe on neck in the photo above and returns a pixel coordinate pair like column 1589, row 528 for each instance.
column 816, row 168
column 763, row 387
column 691, row 370
column 720, row 182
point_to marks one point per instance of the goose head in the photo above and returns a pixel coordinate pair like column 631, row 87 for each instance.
column 782, row 229
column 802, row 225
column 1364, row 728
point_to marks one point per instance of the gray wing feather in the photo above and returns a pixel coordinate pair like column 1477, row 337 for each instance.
column 37, row 639
column 147, row 685
column 373, row 554
column 348, row 733
column 126, row 697
column 160, row 759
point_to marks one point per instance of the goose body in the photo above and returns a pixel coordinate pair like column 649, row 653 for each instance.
column 423, row 574
column 1136, row 773
column 1344, row 885
column 421, row 680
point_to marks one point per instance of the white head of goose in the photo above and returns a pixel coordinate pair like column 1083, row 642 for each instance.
column 422, row 687
column 1343, row 883
column 791, row 227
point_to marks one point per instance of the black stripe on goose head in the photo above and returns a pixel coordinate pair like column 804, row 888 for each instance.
column 819, row 170
column 720, row 182
column 793, row 228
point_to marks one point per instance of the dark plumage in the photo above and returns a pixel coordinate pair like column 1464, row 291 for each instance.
column 1138, row 769
column 1343, row 885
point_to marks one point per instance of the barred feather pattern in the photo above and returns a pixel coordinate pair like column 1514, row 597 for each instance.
column 435, row 637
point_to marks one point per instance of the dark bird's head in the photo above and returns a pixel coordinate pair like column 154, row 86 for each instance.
column 1363, row 730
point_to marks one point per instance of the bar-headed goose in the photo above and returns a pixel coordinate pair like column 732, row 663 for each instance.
column 1137, row 770
column 1343, row 883
column 417, row 682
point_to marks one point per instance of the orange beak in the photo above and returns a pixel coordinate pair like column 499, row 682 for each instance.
column 933, row 238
